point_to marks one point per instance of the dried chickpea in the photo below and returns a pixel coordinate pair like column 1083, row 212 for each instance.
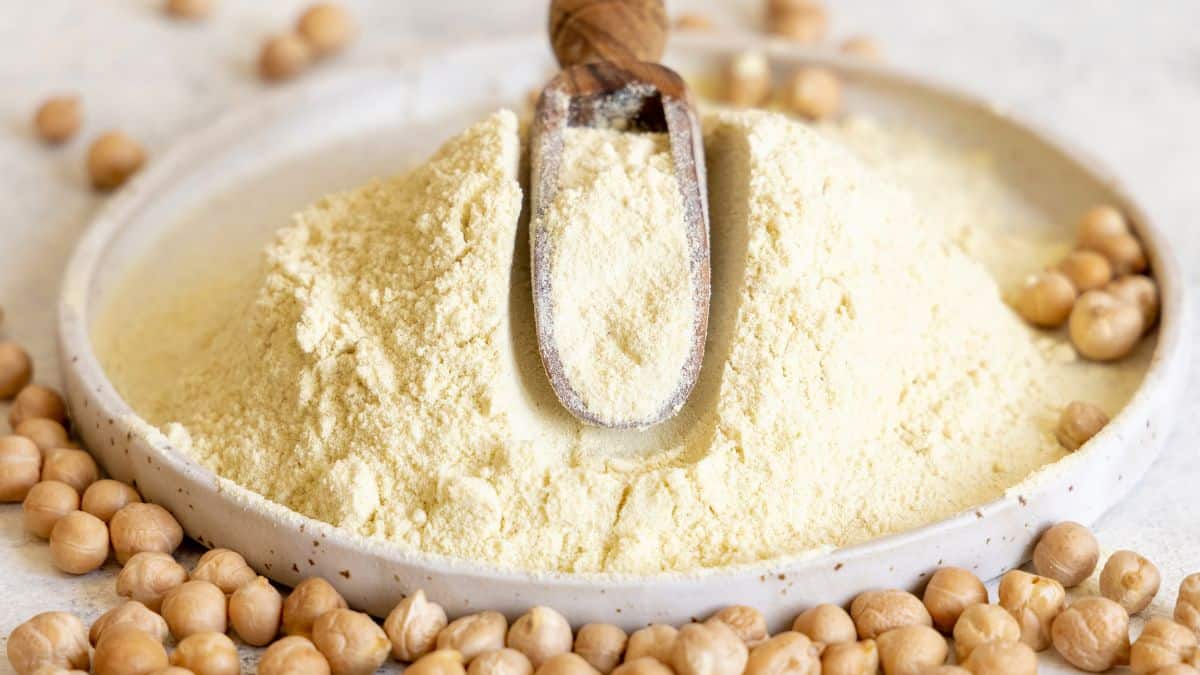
column 951, row 590
column 194, row 607
column 326, row 27
column 850, row 658
column 255, row 612
column 803, row 21
column 1129, row 580
column 980, row 624
column 58, row 119
column 105, row 497
column 746, row 622
column 20, row 467
column 112, row 159
column 413, row 627
column 73, row 467
column 1034, row 601
column 601, row 645
column 293, row 655
column 440, row 662
column 50, row 638
column 308, row 600
column 133, row 614
column 1067, row 553
column 877, row 612
column 826, row 624
column 691, row 21
column 656, row 641
column 1141, row 291
column 47, row 434
column 474, row 634
column 1100, row 222
column 539, row 634
column 16, row 370
column 1092, row 634
column 1123, row 251
column 1187, row 603
column 1077, row 424
column 227, row 569
column 207, row 654
column 1103, row 327
column 351, row 641
column 34, row 400
column 500, row 662
column 79, row 543
column 1087, row 270
column 813, row 92
column 788, row 652
column 708, row 649
column 283, row 57
column 1046, row 299
column 189, row 9
column 1162, row 643
column 141, row 527
column 747, row 79
column 565, row 664
column 1003, row 657
column 45, row 504
column 128, row 651
column 862, row 47
column 643, row 666
column 911, row 649
column 147, row 577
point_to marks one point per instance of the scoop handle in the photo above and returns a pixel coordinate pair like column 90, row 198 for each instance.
column 617, row 31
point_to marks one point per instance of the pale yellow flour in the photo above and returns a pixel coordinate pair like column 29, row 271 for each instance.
column 862, row 374
column 620, row 275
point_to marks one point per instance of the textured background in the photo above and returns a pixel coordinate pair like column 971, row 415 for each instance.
column 1118, row 78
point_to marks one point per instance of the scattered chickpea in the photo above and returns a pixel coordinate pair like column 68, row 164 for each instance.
column 47, row 434
column 1129, row 580
column 1087, row 270
column 147, row 577
column 130, row 613
column 747, row 79
column 189, row 9
column 283, row 57
column 207, row 654
column 1034, row 601
column 1067, row 553
column 294, row 655
column 746, row 622
column 826, row 624
column 850, row 658
column 539, row 634
column 643, row 666
column 105, row 497
column 877, row 612
column 1092, row 634
column 1003, row 657
column 691, row 21
column 20, row 467
column 980, row 624
column 474, row 634
column 326, row 27
column 1100, row 222
column 73, row 467
column 656, row 641
column 565, row 664
column 351, row 641
column 141, row 527
column 34, row 400
column 501, row 662
column 788, row 652
column 911, row 649
column 1162, row 643
column 16, row 370
column 308, row 600
column 58, row 119
column 45, row 504
column 1046, row 299
column 1187, row 603
column 601, row 645
column 128, row 651
column 708, row 649
column 227, row 569
column 951, row 590
column 1077, row 424
column 112, row 159
column 862, row 47
column 1123, row 251
column 803, row 21
column 413, row 627
column 814, row 93
column 255, row 612
column 1141, row 291
column 79, row 543
column 50, row 638
column 194, row 607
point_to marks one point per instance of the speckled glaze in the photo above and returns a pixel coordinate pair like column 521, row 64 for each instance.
column 374, row 575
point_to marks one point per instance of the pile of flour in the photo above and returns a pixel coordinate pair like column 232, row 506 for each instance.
column 862, row 374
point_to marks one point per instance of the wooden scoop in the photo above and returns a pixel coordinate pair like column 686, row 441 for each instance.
column 626, row 95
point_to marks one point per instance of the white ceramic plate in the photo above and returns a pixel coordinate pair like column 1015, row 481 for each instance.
column 249, row 170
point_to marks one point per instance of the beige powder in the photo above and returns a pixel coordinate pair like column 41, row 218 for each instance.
column 862, row 374
column 619, row 270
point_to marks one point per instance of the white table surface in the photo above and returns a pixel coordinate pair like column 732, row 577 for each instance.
column 1120, row 78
